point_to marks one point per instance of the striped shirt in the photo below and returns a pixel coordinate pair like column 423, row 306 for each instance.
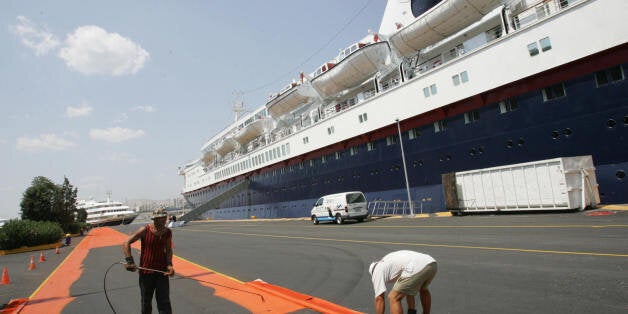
column 153, row 253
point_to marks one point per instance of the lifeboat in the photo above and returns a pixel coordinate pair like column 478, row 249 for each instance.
column 438, row 23
column 209, row 157
column 251, row 131
column 227, row 145
column 353, row 70
column 288, row 101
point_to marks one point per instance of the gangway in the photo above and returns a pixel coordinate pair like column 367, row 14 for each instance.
column 215, row 202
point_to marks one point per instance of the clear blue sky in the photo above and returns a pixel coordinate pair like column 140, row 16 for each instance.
column 116, row 95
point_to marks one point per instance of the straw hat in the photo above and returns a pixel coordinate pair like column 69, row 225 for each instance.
column 159, row 213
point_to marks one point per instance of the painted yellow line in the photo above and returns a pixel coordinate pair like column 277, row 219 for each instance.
column 613, row 207
column 416, row 244
column 210, row 270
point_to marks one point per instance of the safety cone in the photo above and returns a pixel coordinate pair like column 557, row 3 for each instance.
column 5, row 277
column 57, row 250
column 32, row 266
column 42, row 258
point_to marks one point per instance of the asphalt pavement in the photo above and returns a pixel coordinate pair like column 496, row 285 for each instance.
column 572, row 262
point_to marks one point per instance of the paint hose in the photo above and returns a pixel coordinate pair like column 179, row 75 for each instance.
column 163, row 272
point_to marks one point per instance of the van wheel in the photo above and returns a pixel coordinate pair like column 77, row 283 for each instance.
column 314, row 220
column 338, row 219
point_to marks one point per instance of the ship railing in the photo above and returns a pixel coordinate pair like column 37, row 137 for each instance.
column 528, row 12
column 393, row 208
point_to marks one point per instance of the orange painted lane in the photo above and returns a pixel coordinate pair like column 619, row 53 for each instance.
column 53, row 295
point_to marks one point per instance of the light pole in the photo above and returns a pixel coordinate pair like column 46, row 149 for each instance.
column 405, row 171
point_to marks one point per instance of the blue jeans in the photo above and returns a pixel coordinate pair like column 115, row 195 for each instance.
column 158, row 284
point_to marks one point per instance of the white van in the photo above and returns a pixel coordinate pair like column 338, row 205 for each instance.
column 340, row 207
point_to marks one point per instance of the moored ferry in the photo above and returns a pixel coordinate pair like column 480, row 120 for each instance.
column 106, row 213
column 462, row 84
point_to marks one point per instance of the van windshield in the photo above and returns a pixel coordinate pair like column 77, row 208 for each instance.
column 355, row 198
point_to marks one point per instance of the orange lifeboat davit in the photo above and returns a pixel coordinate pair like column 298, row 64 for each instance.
column 443, row 20
column 353, row 69
column 251, row 131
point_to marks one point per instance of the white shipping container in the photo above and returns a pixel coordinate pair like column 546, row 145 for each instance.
column 553, row 184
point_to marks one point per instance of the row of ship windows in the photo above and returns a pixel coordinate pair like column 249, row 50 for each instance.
column 602, row 78
column 619, row 174
column 254, row 161
column 415, row 133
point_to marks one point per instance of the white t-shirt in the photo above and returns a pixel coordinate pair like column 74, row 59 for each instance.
column 395, row 265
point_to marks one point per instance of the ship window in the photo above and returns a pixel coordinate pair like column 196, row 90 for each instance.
column 533, row 49
column 508, row 105
column 456, row 79
column 433, row 89
column 323, row 159
column 616, row 73
column 288, row 148
column 306, row 140
column 440, row 126
column 464, row 77
column 391, row 140
column 414, row 133
column 370, row 146
column 613, row 74
column 553, row 92
column 471, row 116
column 545, row 44
column 353, row 151
column 283, row 150
column 363, row 117
column 600, row 78
column 426, row 92
column 330, row 130
column 339, row 155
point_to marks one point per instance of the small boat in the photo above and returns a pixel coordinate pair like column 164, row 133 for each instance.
column 227, row 145
column 251, row 131
column 441, row 21
column 357, row 66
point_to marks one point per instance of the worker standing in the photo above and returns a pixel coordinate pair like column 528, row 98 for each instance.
column 155, row 262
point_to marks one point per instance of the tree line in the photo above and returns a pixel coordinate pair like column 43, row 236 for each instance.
column 46, row 201
column 48, row 211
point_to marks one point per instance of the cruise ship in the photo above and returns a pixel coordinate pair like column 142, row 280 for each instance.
column 441, row 87
column 106, row 213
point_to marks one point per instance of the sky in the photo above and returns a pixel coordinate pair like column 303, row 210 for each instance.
column 116, row 95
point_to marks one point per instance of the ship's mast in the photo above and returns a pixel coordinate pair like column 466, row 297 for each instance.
column 238, row 105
